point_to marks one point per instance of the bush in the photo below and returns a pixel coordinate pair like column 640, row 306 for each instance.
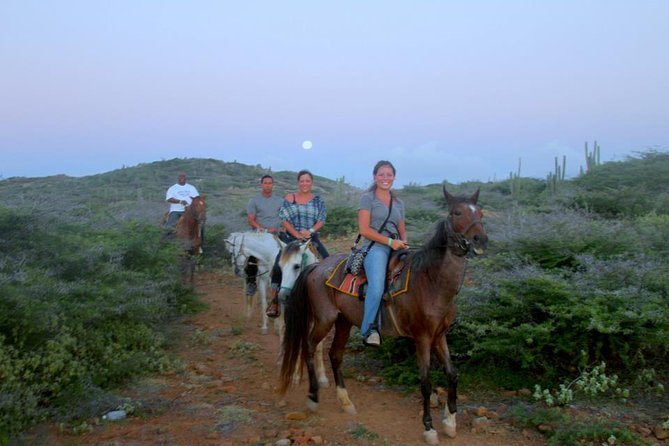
column 522, row 317
column 79, row 310
column 341, row 221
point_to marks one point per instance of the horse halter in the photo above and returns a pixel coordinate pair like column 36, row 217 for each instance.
column 238, row 254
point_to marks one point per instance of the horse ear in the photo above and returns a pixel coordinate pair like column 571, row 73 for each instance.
column 475, row 197
column 449, row 198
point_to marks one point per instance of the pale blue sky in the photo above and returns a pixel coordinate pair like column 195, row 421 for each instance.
column 446, row 90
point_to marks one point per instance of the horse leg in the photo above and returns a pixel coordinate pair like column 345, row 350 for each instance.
column 262, row 293
column 322, row 378
column 323, row 381
column 423, row 349
column 342, row 332
column 442, row 353
column 279, row 324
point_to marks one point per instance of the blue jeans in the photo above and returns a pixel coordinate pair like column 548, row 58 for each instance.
column 376, row 263
column 172, row 219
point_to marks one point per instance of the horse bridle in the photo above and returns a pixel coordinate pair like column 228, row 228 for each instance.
column 460, row 240
column 241, row 254
column 303, row 262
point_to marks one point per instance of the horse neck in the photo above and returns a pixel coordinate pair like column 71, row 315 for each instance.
column 448, row 275
column 192, row 224
column 263, row 248
column 444, row 274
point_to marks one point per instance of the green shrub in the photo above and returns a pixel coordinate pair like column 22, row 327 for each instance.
column 80, row 310
column 630, row 188
column 342, row 221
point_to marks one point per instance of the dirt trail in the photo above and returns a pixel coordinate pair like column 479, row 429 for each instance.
column 225, row 396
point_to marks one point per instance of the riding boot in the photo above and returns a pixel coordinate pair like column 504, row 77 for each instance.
column 273, row 309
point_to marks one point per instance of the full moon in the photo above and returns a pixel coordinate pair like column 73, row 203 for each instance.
column 306, row 145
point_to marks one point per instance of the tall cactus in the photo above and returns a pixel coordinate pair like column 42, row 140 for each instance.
column 514, row 182
column 591, row 158
column 554, row 178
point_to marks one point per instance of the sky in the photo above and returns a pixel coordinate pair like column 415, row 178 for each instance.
column 446, row 90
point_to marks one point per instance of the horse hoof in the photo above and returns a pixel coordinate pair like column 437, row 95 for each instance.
column 350, row 409
column 449, row 425
column 263, row 330
column 323, row 382
column 431, row 437
column 312, row 405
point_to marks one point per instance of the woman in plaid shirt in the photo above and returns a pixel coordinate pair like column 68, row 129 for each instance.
column 303, row 215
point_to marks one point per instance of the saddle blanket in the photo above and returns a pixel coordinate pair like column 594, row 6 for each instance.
column 396, row 282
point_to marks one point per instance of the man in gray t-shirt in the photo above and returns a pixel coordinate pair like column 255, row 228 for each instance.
column 262, row 215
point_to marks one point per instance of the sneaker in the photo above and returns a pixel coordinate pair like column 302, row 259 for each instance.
column 372, row 339
column 251, row 288
column 273, row 309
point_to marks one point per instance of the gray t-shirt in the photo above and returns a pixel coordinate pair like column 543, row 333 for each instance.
column 266, row 210
column 378, row 213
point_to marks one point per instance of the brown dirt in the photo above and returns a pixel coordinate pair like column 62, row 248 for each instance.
column 225, row 396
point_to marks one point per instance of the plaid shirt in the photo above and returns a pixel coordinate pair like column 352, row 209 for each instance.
column 303, row 216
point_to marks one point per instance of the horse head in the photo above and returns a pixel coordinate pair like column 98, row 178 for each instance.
column 234, row 245
column 198, row 209
column 295, row 256
column 464, row 219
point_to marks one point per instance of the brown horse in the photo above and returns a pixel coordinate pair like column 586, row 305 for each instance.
column 190, row 229
column 434, row 274
column 191, row 225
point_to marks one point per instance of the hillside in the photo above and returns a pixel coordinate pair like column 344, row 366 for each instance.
column 139, row 192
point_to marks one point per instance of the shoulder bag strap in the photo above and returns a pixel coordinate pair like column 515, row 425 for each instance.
column 383, row 225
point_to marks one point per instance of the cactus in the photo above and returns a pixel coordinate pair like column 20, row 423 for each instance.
column 554, row 178
column 514, row 182
column 591, row 158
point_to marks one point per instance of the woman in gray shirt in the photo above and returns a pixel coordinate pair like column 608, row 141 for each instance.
column 372, row 212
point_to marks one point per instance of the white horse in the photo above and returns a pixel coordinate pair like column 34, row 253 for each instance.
column 264, row 247
column 295, row 256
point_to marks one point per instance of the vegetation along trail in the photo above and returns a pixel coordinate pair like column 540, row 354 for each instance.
column 561, row 334
column 225, row 396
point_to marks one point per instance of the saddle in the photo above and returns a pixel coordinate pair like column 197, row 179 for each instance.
column 397, row 278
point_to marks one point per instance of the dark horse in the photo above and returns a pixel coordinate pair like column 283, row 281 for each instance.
column 190, row 229
column 424, row 313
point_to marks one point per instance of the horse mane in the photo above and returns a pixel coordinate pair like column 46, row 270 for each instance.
column 442, row 238
column 433, row 251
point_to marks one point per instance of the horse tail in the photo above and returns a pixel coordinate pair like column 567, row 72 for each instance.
column 297, row 317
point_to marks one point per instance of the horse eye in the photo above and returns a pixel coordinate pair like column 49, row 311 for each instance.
column 457, row 213
column 296, row 267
